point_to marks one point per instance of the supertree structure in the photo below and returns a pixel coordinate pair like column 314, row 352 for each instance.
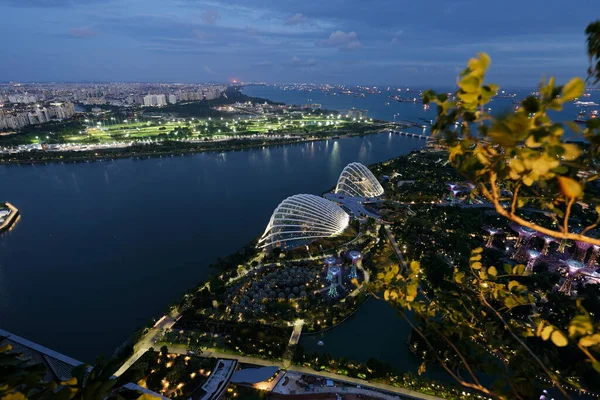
column 547, row 241
column 533, row 256
column 355, row 256
column 522, row 243
column 563, row 245
column 492, row 232
column 334, row 276
column 573, row 270
column 592, row 260
column 581, row 250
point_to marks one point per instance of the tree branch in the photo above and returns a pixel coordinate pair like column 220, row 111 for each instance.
column 443, row 364
column 514, row 199
column 518, row 339
column 567, row 215
column 502, row 211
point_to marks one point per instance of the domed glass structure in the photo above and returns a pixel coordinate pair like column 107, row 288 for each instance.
column 356, row 180
column 301, row 218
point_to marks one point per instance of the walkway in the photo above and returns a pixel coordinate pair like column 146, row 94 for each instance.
column 294, row 339
column 148, row 340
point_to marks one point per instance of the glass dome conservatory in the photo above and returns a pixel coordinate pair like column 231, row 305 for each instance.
column 302, row 218
column 356, row 180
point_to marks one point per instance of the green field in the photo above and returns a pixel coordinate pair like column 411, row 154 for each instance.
column 117, row 129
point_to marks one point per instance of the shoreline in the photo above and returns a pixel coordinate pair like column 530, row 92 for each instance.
column 155, row 150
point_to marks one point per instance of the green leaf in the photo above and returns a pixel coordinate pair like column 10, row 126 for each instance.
column 559, row 339
column 512, row 284
column 573, row 89
column 596, row 366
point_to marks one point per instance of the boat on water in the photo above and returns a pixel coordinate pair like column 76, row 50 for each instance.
column 585, row 103
column 585, row 116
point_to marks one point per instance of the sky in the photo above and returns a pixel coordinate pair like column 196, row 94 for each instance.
column 371, row 42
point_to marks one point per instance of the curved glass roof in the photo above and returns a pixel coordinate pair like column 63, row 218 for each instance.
column 302, row 218
column 356, row 180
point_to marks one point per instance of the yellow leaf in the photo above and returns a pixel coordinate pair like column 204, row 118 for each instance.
column 14, row 396
column 546, row 332
column 69, row 382
column 569, row 187
column 386, row 295
column 574, row 88
column 559, row 339
column 476, row 265
column 147, row 396
column 477, row 250
column 484, row 60
column 492, row 271
column 355, row 282
column 591, row 340
column 572, row 151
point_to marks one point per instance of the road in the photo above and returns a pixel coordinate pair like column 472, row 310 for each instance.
column 182, row 349
column 395, row 246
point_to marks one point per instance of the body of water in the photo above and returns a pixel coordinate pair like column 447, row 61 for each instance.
column 102, row 247
column 380, row 106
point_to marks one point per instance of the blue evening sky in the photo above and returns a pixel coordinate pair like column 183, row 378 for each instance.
column 327, row 41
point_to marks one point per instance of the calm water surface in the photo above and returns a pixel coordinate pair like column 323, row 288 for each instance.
column 103, row 247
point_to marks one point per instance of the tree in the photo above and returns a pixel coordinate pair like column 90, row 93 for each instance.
column 500, row 320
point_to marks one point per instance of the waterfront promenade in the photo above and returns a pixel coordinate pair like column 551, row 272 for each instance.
column 390, row 391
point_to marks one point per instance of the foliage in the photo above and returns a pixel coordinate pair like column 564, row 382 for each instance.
column 20, row 379
column 523, row 151
column 484, row 316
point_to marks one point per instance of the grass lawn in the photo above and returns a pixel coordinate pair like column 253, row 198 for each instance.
column 110, row 129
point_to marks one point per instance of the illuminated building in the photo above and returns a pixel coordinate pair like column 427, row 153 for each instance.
column 302, row 218
column 356, row 180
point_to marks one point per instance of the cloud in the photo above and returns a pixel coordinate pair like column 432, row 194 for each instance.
column 252, row 31
column 208, row 70
column 200, row 35
column 396, row 35
column 265, row 63
column 341, row 40
column 210, row 17
column 46, row 3
column 81, row 33
column 296, row 19
column 297, row 62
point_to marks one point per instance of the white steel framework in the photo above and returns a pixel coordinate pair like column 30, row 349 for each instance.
column 303, row 217
column 356, row 180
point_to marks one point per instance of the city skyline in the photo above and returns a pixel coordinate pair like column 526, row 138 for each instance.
column 334, row 42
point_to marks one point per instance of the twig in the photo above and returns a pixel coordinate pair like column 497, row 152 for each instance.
column 568, row 214
column 514, row 200
column 443, row 364
column 518, row 339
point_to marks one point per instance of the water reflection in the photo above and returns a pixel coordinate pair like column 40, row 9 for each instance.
column 73, row 227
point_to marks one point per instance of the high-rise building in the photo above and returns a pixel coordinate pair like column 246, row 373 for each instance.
column 155, row 100
column 172, row 99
